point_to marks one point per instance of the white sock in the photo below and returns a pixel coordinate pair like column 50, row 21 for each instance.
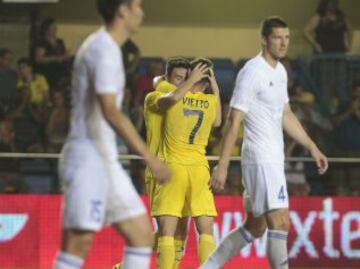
column 228, row 248
column 277, row 249
column 137, row 257
column 68, row 261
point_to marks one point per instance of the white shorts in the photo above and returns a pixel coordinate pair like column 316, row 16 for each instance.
column 265, row 187
column 96, row 193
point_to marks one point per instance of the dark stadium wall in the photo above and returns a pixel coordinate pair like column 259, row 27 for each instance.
column 219, row 13
column 189, row 27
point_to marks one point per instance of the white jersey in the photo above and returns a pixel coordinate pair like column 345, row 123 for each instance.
column 261, row 92
column 98, row 69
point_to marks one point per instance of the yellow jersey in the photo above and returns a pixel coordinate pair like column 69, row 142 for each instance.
column 38, row 87
column 153, row 117
column 186, row 128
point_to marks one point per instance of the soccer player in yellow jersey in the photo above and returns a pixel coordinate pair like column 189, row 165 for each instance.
column 189, row 115
column 177, row 69
column 176, row 73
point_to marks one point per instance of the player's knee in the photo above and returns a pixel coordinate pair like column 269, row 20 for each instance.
column 141, row 239
column 77, row 243
column 279, row 221
column 181, row 229
column 256, row 229
column 258, row 232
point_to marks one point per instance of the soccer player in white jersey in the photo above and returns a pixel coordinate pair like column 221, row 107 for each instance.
column 97, row 190
column 260, row 99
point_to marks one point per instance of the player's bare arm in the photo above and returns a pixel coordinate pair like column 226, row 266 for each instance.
column 170, row 99
column 294, row 129
column 124, row 128
column 219, row 175
column 216, row 91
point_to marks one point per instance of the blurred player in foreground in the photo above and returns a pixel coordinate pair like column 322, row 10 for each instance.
column 97, row 190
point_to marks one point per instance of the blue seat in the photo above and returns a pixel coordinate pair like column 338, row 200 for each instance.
column 40, row 184
column 225, row 73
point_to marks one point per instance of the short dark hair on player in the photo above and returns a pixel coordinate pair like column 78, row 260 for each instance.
column 203, row 61
column 176, row 62
column 270, row 23
column 108, row 8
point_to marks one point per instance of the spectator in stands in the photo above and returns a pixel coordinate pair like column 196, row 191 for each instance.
column 314, row 122
column 32, row 109
column 131, row 57
column 328, row 31
column 11, row 180
column 51, row 56
column 58, row 124
column 8, row 80
column 35, row 84
column 347, row 121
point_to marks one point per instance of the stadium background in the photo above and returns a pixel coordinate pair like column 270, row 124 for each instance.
column 220, row 29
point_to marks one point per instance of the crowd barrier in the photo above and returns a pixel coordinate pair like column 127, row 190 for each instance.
column 325, row 232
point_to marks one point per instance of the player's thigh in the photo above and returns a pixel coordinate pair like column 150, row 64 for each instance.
column 123, row 201
column 169, row 198
column 85, row 184
column 136, row 230
column 277, row 194
column 265, row 187
column 199, row 196
column 167, row 225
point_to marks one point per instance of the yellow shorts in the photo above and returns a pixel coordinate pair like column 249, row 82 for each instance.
column 187, row 194
column 150, row 183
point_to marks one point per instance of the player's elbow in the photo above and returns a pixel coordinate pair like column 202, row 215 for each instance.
column 110, row 115
column 167, row 102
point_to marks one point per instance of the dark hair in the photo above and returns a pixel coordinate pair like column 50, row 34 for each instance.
column 4, row 51
column 270, row 23
column 176, row 62
column 44, row 26
column 323, row 4
column 203, row 61
column 26, row 61
column 108, row 8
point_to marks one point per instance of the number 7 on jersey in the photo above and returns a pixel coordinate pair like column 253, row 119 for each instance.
column 200, row 115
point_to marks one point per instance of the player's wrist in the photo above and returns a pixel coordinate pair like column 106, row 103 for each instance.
column 223, row 164
column 312, row 147
column 148, row 157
